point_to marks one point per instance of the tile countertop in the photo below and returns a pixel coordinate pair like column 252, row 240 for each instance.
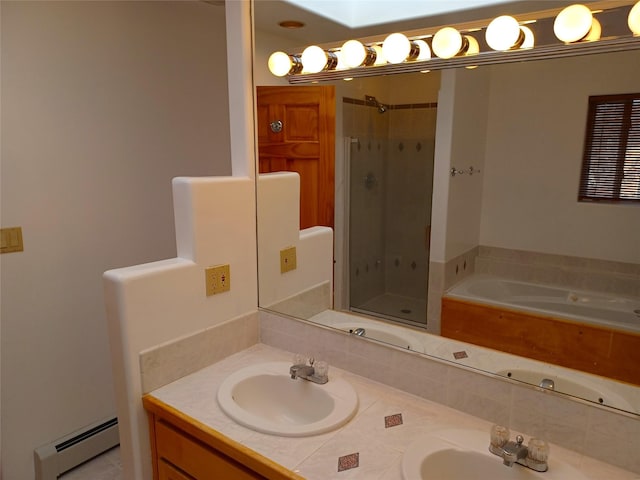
column 380, row 449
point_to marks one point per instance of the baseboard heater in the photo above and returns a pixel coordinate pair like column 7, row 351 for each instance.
column 60, row 456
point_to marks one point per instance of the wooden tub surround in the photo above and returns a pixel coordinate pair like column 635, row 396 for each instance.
column 589, row 348
column 185, row 449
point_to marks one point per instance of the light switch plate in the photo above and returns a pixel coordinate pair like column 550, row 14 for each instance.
column 11, row 240
column 217, row 279
column 288, row 260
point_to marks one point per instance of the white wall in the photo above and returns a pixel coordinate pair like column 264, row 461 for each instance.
column 536, row 130
column 102, row 104
column 460, row 137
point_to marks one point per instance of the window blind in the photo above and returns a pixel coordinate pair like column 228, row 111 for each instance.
column 611, row 163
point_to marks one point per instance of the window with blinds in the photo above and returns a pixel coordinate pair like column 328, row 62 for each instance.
column 611, row 164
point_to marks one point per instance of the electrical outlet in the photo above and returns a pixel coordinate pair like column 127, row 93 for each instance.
column 11, row 240
column 288, row 260
column 217, row 279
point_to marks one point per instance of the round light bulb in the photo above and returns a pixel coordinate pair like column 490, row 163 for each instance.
column 353, row 53
column 279, row 64
column 314, row 59
column 594, row 32
column 380, row 58
column 425, row 51
column 396, row 48
column 634, row 19
column 503, row 33
column 529, row 37
column 447, row 42
column 573, row 23
column 474, row 49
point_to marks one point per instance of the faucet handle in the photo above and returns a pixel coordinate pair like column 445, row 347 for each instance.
column 499, row 436
column 321, row 368
column 299, row 359
column 538, row 455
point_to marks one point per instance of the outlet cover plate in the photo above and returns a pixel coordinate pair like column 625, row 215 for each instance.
column 288, row 259
column 11, row 240
column 217, row 279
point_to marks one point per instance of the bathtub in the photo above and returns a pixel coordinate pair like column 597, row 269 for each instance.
column 621, row 313
column 587, row 331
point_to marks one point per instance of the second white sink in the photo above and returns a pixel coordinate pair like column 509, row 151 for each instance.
column 264, row 398
column 461, row 454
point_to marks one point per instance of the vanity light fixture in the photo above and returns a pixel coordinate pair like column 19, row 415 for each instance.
column 634, row 19
column 355, row 54
column 315, row 59
column 447, row 43
column 504, row 33
column 281, row 64
column 573, row 24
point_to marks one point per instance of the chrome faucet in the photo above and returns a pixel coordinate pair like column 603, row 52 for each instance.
column 547, row 383
column 514, row 451
column 533, row 456
column 309, row 372
column 360, row 332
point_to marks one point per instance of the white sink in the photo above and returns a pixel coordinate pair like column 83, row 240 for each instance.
column 461, row 454
column 264, row 398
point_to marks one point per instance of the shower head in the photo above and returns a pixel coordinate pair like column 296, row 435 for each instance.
column 371, row 100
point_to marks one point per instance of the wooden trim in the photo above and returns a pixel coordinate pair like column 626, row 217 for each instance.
column 217, row 441
column 599, row 350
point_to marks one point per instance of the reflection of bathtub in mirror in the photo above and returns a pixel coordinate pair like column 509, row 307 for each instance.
column 590, row 307
column 582, row 385
column 594, row 332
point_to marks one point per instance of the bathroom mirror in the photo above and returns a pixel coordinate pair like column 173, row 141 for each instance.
column 509, row 225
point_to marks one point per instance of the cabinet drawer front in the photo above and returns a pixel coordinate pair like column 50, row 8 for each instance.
column 196, row 459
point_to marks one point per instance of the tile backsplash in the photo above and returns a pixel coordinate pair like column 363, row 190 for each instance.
column 601, row 433
column 575, row 272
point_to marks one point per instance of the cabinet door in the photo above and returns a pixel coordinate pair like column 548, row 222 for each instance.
column 166, row 471
column 196, row 459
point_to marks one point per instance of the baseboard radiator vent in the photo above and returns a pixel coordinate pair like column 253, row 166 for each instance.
column 60, row 456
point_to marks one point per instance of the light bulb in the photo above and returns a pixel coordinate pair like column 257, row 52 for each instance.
column 573, row 23
column 594, row 32
column 634, row 19
column 353, row 53
column 474, row 49
column 529, row 37
column 425, row 51
column 279, row 64
column 503, row 33
column 314, row 59
column 380, row 59
column 396, row 48
column 447, row 42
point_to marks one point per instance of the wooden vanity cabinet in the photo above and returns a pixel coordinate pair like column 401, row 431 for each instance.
column 184, row 449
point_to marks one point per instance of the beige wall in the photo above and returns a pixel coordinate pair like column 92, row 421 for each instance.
column 102, row 104
column 536, row 129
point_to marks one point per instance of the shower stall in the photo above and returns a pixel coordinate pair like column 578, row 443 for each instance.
column 389, row 166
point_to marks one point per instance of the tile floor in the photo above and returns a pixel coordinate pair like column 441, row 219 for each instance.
column 103, row 467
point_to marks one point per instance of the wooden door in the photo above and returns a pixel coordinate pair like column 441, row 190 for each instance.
column 305, row 144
